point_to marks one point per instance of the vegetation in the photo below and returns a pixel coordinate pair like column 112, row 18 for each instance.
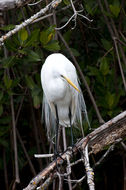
column 99, row 48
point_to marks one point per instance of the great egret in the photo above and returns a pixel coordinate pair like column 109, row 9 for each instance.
column 63, row 101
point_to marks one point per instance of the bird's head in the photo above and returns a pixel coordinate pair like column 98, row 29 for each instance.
column 69, row 82
column 59, row 72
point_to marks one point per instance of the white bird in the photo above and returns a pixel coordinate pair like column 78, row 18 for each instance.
column 63, row 100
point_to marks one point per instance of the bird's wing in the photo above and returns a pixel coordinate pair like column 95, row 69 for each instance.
column 49, row 119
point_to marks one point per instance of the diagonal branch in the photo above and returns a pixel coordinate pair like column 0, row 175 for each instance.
column 101, row 137
column 51, row 5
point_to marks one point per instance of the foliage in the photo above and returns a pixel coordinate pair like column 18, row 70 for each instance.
column 24, row 54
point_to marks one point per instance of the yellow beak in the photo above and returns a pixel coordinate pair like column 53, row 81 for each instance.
column 70, row 82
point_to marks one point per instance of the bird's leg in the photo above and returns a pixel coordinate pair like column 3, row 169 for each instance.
column 56, row 143
column 57, row 129
column 72, row 141
column 56, row 153
column 57, row 134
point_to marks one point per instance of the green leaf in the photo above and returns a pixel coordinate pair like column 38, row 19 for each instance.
column 8, row 27
column 47, row 35
column 8, row 62
column 16, row 41
column 104, row 66
column 36, row 91
column 110, row 99
column 93, row 71
column 15, row 82
column 33, row 56
column 88, row 80
column 107, row 44
column 115, row 8
column 36, row 101
column 75, row 52
column 10, row 45
column 29, row 81
column 88, row 8
column 67, row 35
column 7, row 82
column 66, row 2
column 1, row 110
column 31, row 41
column 51, row 30
column 52, row 46
column 38, row 79
column 44, row 37
column 23, row 34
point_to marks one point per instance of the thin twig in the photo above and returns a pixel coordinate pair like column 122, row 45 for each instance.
column 17, row 179
column 19, row 137
column 51, row 14
column 55, row 23
column 35, row 129
column 107, row 52
column 120, row 66
column 76, row 162
column 20, row 106
column 5, row 169
column 104, row 155
column 115, row 31
column 32, row 4
column 114, row 34
column 122, row 35
column 73, row 17
column 60, row 180
column 123, row 145
column 121, row 42
column 26, row 154
column 43, row 155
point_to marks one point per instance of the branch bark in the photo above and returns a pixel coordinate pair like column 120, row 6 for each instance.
column 11, row 4
column 101, row 137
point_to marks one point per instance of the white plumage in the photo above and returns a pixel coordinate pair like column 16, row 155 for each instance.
column 61, row 88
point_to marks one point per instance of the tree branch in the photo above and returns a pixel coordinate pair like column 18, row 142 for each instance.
column 11, row 4
column 101, row 137
column 51, row 5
